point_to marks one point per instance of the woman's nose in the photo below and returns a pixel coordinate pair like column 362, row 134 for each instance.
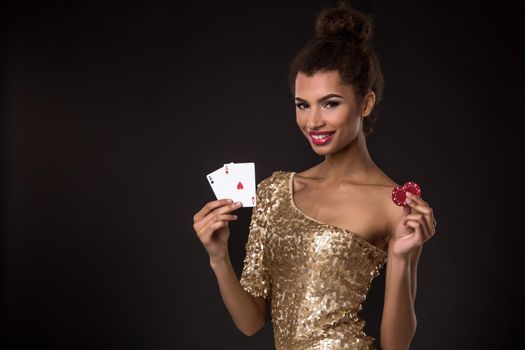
column 315, row 120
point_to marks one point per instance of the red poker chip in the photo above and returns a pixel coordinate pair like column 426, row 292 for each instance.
column 399, row 192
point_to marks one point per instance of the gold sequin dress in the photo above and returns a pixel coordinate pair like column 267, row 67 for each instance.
column 315, row 275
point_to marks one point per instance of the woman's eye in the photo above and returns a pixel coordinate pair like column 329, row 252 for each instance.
column 332, row 103
column 300, row 105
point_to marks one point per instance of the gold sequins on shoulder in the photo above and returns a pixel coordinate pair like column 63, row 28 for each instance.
column 315, row 275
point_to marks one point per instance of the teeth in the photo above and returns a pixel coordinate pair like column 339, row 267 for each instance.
column 320, row 137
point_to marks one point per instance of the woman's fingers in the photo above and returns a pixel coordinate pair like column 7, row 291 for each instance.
column 221, row 217
column 218, row 217
column 230, row 207
column 209, row 207
column 418, row 204
column 206, row 234
column 215, row 222
column 221, row 210
column 417, row 198
column 419, row 234
column 219, row 207
column 423, row 219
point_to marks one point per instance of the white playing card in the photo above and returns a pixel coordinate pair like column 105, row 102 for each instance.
column 242, row 183
column 220, row 182
column 235, row 181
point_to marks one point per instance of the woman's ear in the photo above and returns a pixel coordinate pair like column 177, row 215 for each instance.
column 368, row 103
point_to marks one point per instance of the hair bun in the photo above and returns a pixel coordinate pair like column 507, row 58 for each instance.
column 343, row 21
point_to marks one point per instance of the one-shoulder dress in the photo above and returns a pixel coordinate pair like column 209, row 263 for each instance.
column 314, row 275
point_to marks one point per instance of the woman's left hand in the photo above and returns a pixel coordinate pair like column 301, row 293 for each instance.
column 415, row 228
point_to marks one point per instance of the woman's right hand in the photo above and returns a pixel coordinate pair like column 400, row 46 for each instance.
column 211, row 225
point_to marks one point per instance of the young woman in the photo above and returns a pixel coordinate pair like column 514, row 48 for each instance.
column 319, row 237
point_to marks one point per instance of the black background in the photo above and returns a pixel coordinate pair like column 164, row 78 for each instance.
column 114, row 112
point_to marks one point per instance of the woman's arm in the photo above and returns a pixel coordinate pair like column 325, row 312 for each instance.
column 247, row 311
column 398, row 324
column 211, row 226
column 414, row 228
column 414, row 259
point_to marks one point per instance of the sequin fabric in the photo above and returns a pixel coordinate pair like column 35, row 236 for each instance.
column 314, row 275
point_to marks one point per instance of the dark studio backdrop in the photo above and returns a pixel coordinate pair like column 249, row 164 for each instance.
column 114, row 112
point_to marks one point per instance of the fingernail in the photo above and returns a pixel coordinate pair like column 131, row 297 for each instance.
column 229, row 201
column 409, row 194
column 238, row 203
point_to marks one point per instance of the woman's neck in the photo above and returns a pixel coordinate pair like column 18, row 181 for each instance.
column 353, row 163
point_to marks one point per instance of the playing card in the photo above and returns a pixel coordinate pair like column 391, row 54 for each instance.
column 220, row 182
column 242, row 182
column 235, row 181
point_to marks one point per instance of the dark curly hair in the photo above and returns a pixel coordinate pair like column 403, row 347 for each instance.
column 342, row 43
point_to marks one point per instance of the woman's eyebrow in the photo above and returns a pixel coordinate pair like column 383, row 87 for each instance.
column 321, row 99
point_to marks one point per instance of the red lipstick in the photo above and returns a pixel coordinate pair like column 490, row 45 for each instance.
column 320, row 137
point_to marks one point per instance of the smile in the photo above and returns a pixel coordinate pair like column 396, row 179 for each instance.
column 321, row 139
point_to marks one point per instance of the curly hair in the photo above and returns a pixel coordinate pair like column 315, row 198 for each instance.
column 342, row 43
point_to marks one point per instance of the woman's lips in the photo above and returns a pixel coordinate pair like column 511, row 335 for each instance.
column 321, row 139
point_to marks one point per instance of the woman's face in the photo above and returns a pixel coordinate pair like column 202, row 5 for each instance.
column 325, row 105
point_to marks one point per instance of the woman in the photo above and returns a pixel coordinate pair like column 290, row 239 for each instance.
column 319, row 237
